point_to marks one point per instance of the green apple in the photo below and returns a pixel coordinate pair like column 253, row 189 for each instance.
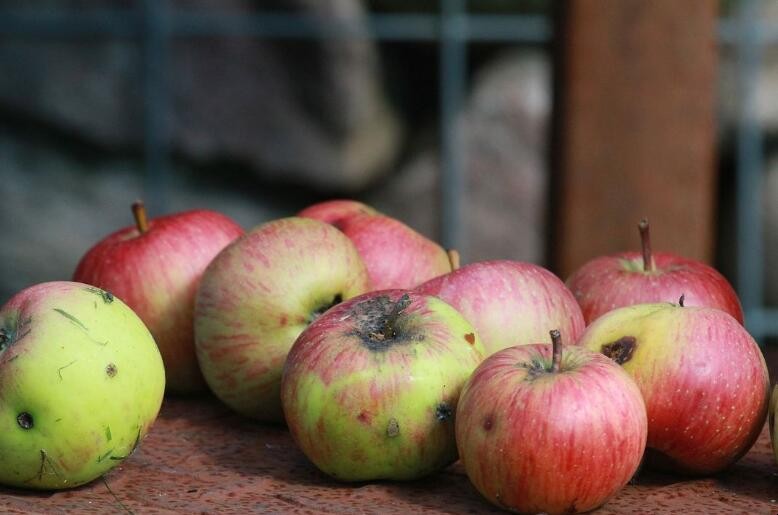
column 81, row 382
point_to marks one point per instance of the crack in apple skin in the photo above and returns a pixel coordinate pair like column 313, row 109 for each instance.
column 621, row 350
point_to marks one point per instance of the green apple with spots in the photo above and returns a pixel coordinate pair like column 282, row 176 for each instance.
column 370, row 389
column 81, row 382
column 703, row 377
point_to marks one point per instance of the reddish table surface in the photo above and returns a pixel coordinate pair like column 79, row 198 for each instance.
column 201, row 458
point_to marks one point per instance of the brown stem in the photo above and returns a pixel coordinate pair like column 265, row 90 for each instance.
column 645, row 242
column 139, row 212
column 453, row 259
column 680, row 301
column 556, row 350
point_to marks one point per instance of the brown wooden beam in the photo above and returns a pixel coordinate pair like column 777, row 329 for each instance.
column 635, row 128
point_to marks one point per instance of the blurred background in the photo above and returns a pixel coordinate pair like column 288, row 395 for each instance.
column 522, row 129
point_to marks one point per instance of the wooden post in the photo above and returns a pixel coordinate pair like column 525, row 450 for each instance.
column 634, row 128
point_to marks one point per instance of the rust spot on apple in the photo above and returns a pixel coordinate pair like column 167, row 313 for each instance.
column 380, row 323
column 393, row 428
column 470, row 338
column 488, row 422
column 283, row 320
column 24, row 420
column 364, row 417
column 111, row 370
column 443, row 411
column 621, row 350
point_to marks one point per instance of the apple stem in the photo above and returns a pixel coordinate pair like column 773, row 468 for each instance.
column 453, row 259
column 139, row 212
column 556, row 350
column 645, row 242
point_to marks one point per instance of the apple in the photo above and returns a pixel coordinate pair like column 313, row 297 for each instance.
column 628, row 278
column 155, row 267
column 81, row 382
column 509, row 302
column 702, row 376
column 370, row 389
column 335, row 211
column 258, row 295
column 771, row 419
column 396, row 256
column 549, row 428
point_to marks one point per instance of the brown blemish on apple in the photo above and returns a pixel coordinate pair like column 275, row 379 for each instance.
column 443, row 411
column 470, row 338
column 379, row 323
column 364, row 417
column 283, row 320
column 488, row 422
column 393, row 428
column 621, row 350
column 24, row 420
column 110, row 370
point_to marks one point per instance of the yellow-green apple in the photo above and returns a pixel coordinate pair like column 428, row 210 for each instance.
column 395, row 255
column 370, row 389
column 258, row 295
column 334, row 211
column 81, row 382
column 154, row 267
column 628, row 278
column 550, row 430
column 702, row 376
column 509, row 302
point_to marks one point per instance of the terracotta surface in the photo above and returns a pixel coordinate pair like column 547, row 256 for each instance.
column 200, row 458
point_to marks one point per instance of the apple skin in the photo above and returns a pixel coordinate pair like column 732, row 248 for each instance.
column 364, row 407
column 703, row 377
column 535, row 441
column 335, row 211
column 258, row 295
column 156, row 273
column 509, row 302
column 86, row 372
column 609, row 282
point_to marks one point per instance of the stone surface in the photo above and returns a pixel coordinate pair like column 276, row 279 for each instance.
column 310, row 112
column 504, row 129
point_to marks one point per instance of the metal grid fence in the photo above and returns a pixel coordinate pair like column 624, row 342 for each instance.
column 152, row 23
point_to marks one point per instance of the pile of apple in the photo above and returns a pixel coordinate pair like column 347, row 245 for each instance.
column 384, row 357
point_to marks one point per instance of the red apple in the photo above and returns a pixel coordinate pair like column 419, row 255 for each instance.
column 334, row 211
column 396, row 256
column 628, row 278
column 550, row 431
column 155, row 267
column 370, row 388
column 702, row 376
column 258, row 295
column 509, row 302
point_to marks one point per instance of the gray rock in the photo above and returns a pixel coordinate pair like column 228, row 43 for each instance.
column 309, row 112
column 504, row 126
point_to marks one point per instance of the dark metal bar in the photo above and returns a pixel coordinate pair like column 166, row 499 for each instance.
column 183, row 23
column 452, row 79
column 750, row 254
column 156, row 105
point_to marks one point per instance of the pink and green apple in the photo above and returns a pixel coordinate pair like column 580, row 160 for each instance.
column 370, row 389
column 258, row 295
column 551, row 429
column 509, row 302
column 155, row 267
column 703, row 378
column 81, row 382
column 335, row 211
column 627, row 278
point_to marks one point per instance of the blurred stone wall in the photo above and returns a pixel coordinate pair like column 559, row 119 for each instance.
column 258, row 130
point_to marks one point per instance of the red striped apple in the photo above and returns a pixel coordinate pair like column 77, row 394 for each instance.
column 553, row 431
column 395, row 255
column 628, row 278
column 155, row 267
column 370, row 388
column 258, row 295
column 81, row 383
column 509, row 302
column 702, row 376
